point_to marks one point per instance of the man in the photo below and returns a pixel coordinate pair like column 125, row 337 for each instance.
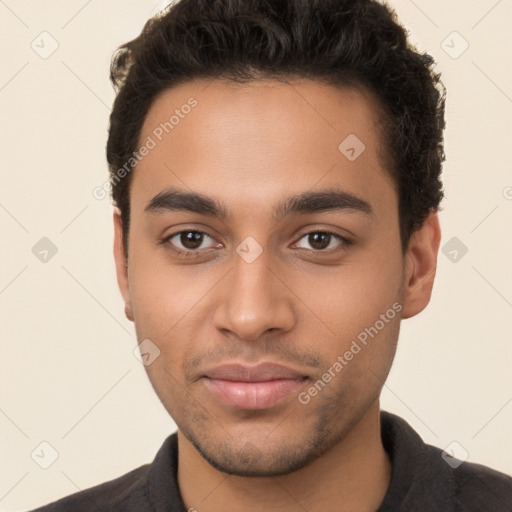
column 276, row 173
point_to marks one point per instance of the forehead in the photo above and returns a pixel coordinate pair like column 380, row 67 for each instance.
column 250, row 141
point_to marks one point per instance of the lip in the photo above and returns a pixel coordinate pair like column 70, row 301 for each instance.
column 262, row 372
column 253, row 387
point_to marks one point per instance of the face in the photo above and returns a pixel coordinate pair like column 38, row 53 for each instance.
column 276, row 318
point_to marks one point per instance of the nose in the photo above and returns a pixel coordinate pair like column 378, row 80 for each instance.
column 253, row 300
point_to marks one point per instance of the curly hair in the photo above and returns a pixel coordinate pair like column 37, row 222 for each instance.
column 338, row 42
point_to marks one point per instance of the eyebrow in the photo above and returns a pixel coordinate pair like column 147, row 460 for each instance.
column 173, row 199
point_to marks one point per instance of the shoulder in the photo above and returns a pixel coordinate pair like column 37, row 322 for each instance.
column 140, row 490
column 127, row 492
column 478, row 488
column 425, row 477
column 481, row 487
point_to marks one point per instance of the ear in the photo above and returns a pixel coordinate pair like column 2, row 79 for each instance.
column 121, row 264
column 420, row 266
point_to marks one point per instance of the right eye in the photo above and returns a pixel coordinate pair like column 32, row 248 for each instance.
column 190, row 240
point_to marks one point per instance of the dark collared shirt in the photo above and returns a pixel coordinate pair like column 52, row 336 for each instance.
column 421, row 481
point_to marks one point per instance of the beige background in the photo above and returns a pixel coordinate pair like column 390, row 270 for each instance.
column 68, row 374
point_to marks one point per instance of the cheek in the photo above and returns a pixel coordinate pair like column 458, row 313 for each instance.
column 355, row 314
column 162, row 295
column 352, row 298
column 170, row 306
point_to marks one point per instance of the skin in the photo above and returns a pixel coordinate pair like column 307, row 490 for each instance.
column 248, row 146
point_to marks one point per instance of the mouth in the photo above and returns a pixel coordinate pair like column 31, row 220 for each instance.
column 253, row 387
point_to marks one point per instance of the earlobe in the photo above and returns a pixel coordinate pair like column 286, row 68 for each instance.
column 121, row 263
column 420, row 268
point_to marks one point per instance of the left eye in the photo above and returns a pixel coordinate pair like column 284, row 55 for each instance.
column 319, row 240
column 191, row 241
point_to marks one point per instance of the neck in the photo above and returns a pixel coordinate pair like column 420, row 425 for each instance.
column 353, row 475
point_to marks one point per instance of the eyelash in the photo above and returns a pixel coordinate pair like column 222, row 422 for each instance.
column 345, row 242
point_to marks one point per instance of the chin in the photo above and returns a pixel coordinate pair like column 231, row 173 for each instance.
column 250, row 461
column 259, row 456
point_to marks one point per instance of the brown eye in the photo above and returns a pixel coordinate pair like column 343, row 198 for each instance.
column 191, row 239
column 321, row 240
column 187, row 241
